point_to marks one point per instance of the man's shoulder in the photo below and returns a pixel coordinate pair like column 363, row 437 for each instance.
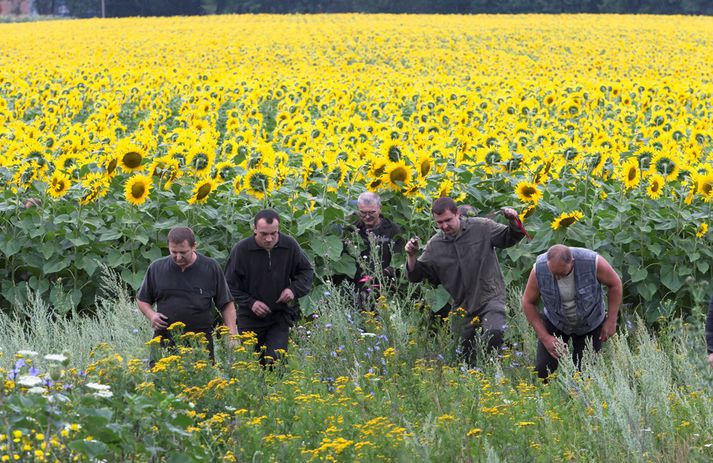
column 161, row 263
column 389, row 228
column 205, row 261
column 288, row 242
column 436, row 239
column 244, row 244
column 478, row 222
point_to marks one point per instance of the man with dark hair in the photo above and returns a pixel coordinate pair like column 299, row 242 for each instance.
column 569, row 281
column 267, row 273
column 461, row 257
column 184, row 287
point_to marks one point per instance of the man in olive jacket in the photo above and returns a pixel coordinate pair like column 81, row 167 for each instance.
column 266, row 274
column 461, row 257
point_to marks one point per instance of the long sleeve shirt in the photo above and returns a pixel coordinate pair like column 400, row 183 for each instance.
column 466, row 264
column 256, row 274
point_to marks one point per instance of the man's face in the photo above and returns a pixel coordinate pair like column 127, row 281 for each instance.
column 448, row 222
column 182, row 253
column 267, row 234
column 560, row 269
column 369, row 214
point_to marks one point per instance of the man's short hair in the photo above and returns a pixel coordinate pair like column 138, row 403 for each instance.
column 369, row 198
column 559, row 252
column 443, row 204
column 268, row 214
column 178, row 235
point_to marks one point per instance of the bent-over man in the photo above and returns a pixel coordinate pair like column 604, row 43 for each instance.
column 569, row 281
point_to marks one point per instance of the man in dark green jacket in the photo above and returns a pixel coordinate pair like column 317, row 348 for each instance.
column 461, row 257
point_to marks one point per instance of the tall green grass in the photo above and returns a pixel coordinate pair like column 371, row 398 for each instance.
column 381, row 386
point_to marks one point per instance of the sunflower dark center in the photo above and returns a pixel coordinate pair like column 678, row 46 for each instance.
column 398, row 175
column 200, row 161
column 258, row 182
column 132, row 160
column 632, row 174
column 425, row 167
column 137, row 190
column 528, row 191
column 203, row 191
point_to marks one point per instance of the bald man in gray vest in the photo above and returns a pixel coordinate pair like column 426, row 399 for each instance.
column 569, row 282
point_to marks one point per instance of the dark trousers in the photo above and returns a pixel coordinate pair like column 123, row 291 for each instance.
column 270, row 338
column 546, row 364
column 488, row 329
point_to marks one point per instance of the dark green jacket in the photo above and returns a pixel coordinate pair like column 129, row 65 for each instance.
column 466, row 265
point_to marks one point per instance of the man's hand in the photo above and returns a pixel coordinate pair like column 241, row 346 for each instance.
column 261, row 309
column 158, row 321
column 286, row 296
column 411, row 247
column 510, row 213
column 608, row 329
column 554, row 346
column 710, row 360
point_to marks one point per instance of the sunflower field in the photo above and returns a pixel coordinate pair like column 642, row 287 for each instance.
column 598, row 129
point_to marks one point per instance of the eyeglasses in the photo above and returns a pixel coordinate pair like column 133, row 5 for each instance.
column 368, row 213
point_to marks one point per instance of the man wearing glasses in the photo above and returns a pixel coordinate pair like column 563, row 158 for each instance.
column 374, row 228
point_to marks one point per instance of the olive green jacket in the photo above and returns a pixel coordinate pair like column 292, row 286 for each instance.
column 466, row 265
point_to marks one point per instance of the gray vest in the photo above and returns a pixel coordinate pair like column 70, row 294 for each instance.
column 590, row 302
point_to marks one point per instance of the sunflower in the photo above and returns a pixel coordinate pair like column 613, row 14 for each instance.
column 705, row 186
column 66, row 162
column 224, row 171
column 630, row 173
column 129, row 155
column 396, row 175
column 59, row 185
column 527, row 192
column 527, row 212
column 200, row 160
column 109, row 162
column 665, row 165
column 137, row 189
column 566, row 219
column 259, row 182
column 237, row 184
column 655, row 187
column 445, row 188
column 392, row 151
column 25, row 175
column 424, row 165
column 166, row 168
column 702, row 230
column 96, row 185
column 202, row 190
column 415, row 189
